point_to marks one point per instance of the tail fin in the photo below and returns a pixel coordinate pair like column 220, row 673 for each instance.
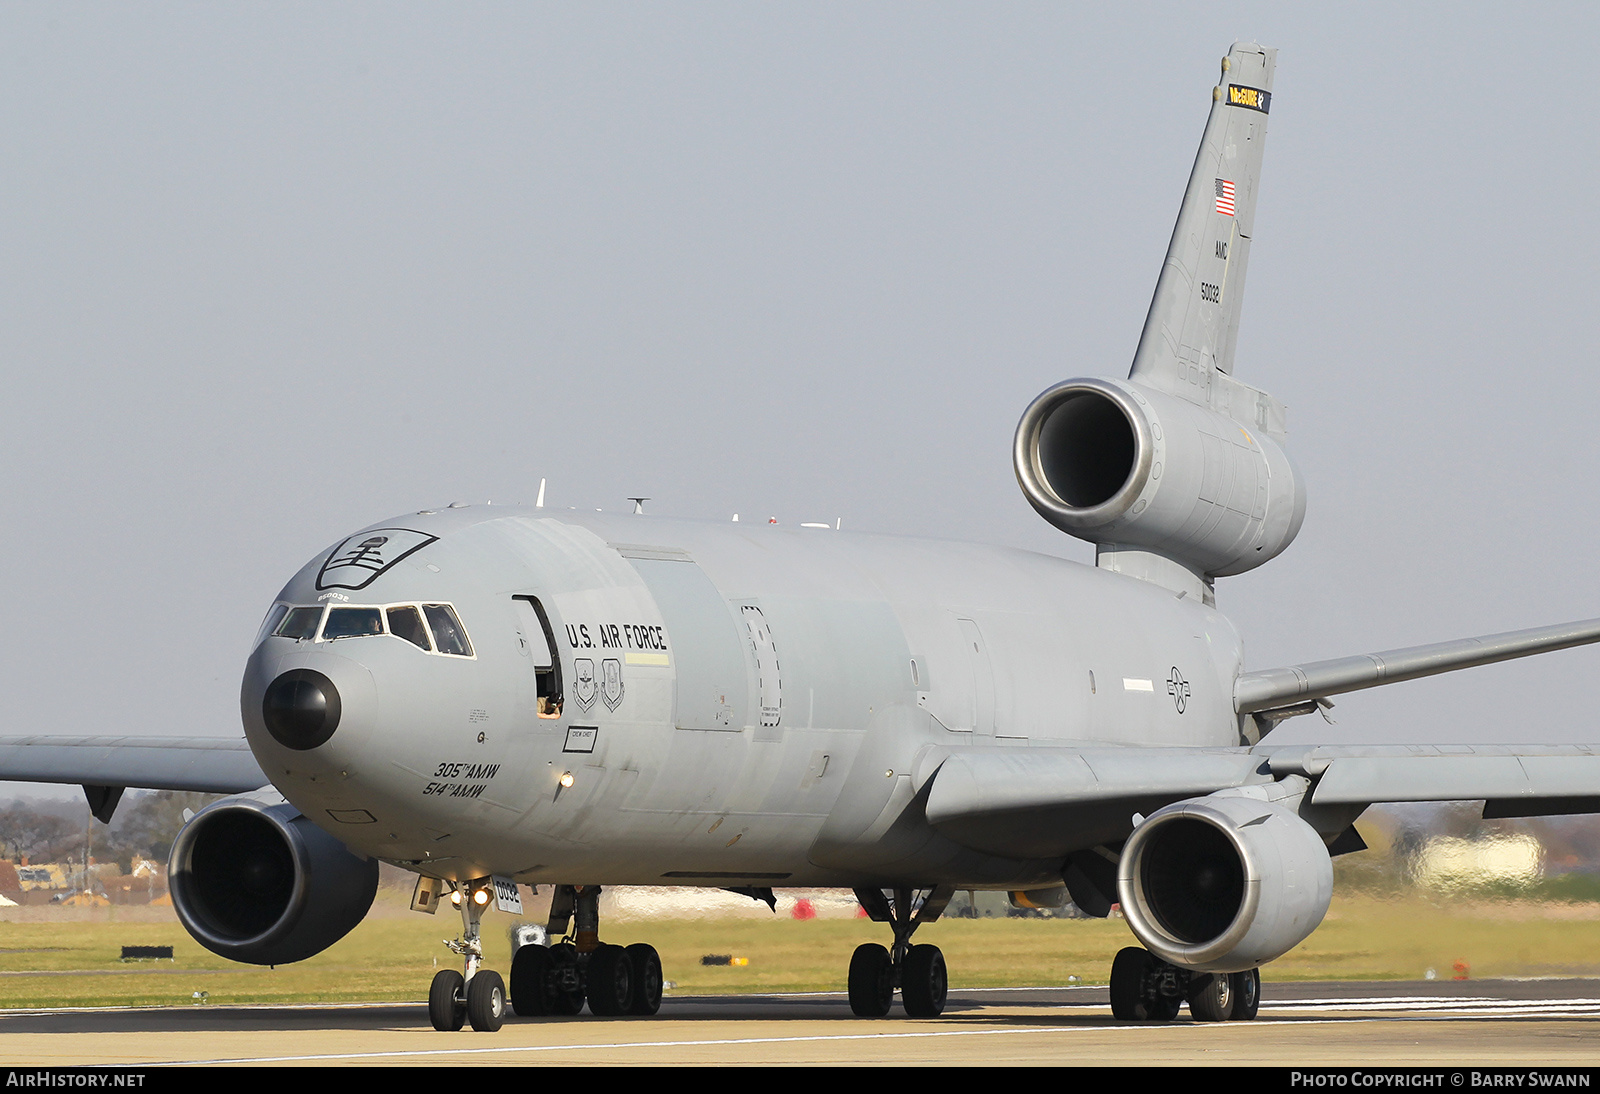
column 1194, row 318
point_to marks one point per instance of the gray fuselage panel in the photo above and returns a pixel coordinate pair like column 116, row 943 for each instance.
column 739, row 703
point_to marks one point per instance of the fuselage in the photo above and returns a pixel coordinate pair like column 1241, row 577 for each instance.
column 582, row 698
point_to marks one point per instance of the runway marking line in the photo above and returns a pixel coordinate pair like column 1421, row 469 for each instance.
column 724, row 1042
column 664, row 1044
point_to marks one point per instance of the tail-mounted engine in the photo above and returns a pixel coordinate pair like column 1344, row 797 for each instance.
column 1119, row 463
column 1223, row 883
column 253, row 880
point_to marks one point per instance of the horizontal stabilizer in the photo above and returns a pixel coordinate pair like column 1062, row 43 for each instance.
column 208, row 764
column 1272, row 688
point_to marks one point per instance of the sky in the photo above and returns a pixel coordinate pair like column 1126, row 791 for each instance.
column 272, row 272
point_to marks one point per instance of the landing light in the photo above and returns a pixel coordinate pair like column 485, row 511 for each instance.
column 480, row 897
column 566, row 778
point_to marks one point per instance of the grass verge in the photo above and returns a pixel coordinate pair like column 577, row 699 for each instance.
column 52, row 957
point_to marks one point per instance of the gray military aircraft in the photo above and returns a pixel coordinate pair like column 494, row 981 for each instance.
column 492, row 696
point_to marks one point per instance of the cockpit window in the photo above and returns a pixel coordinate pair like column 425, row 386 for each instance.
column 300, row 623
column 406, row 622
column 270, row 624
column 448, row 634
column 352, row 623
column 355, row 621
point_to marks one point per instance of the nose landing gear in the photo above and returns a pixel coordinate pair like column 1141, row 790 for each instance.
column 918, row 971
column 475, row 995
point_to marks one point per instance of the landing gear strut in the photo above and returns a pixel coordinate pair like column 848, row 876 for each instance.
column 918, row 971
column 476, row 994
column 556, row 981
column 1146, row 989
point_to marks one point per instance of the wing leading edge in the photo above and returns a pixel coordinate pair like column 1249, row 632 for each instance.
column 105, row 766
column 1272, row 694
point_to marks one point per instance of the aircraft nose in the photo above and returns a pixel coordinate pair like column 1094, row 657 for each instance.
column 301, row 709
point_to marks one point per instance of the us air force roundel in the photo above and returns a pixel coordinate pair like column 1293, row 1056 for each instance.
column 357, row 562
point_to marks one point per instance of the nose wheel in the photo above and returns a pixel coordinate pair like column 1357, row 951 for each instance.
column 917, row 971
column 447, row 1001
column 486, row 1001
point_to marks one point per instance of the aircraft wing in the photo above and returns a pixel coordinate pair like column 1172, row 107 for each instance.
column 105, row 766
column 1275, row 689
column 1045, row 802
column 1515, row 781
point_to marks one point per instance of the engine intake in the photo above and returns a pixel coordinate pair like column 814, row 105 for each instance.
column 253, row 880
column 1117, row 462
column 1224, row 883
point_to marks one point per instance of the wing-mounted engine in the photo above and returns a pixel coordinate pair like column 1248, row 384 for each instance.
column 253, row 880
column 1123, row 465
column 1224, row 883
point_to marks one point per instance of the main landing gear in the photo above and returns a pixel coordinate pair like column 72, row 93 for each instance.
column 614, row 980
column 1145, row 988
column 556, row 981
column 918, row 971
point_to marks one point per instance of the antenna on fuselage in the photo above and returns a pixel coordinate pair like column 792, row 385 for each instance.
column 638, row 505
column 540, row 503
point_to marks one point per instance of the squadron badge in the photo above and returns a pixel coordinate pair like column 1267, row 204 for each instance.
column 611, row 682
column 585, row 687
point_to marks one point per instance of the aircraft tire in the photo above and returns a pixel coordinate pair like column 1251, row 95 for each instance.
column 564, row 1002
column 1214, row 1001
column 486, row 1001
column 533, row 989
column 609, row 982
column 1128, row 970
column 647, row 979
column 924, row 983
column 871, row 981
column 1246, row 994
column 446, row 1008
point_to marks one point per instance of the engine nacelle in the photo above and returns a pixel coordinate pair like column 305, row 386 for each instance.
column 253, row 880
column 1117, row 462
column 1224, row 883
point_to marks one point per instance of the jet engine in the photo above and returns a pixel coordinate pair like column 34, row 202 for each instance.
column 253, row 880
column 1118, row 462
column 1224, row 883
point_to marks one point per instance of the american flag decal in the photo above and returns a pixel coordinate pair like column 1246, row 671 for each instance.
column 1225, row 197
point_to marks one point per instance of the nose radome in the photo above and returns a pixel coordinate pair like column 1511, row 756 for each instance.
column 301, row 709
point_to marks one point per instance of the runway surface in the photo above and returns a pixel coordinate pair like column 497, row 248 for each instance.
column 1553, row 1023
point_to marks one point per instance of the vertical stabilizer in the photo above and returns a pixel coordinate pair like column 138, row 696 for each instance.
column 1194, row 318
column 1179, row 475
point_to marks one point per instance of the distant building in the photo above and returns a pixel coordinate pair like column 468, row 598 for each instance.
column 1448, row 863
column 69, row 884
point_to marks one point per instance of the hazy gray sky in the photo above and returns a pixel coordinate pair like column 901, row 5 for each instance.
column 272, row 272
